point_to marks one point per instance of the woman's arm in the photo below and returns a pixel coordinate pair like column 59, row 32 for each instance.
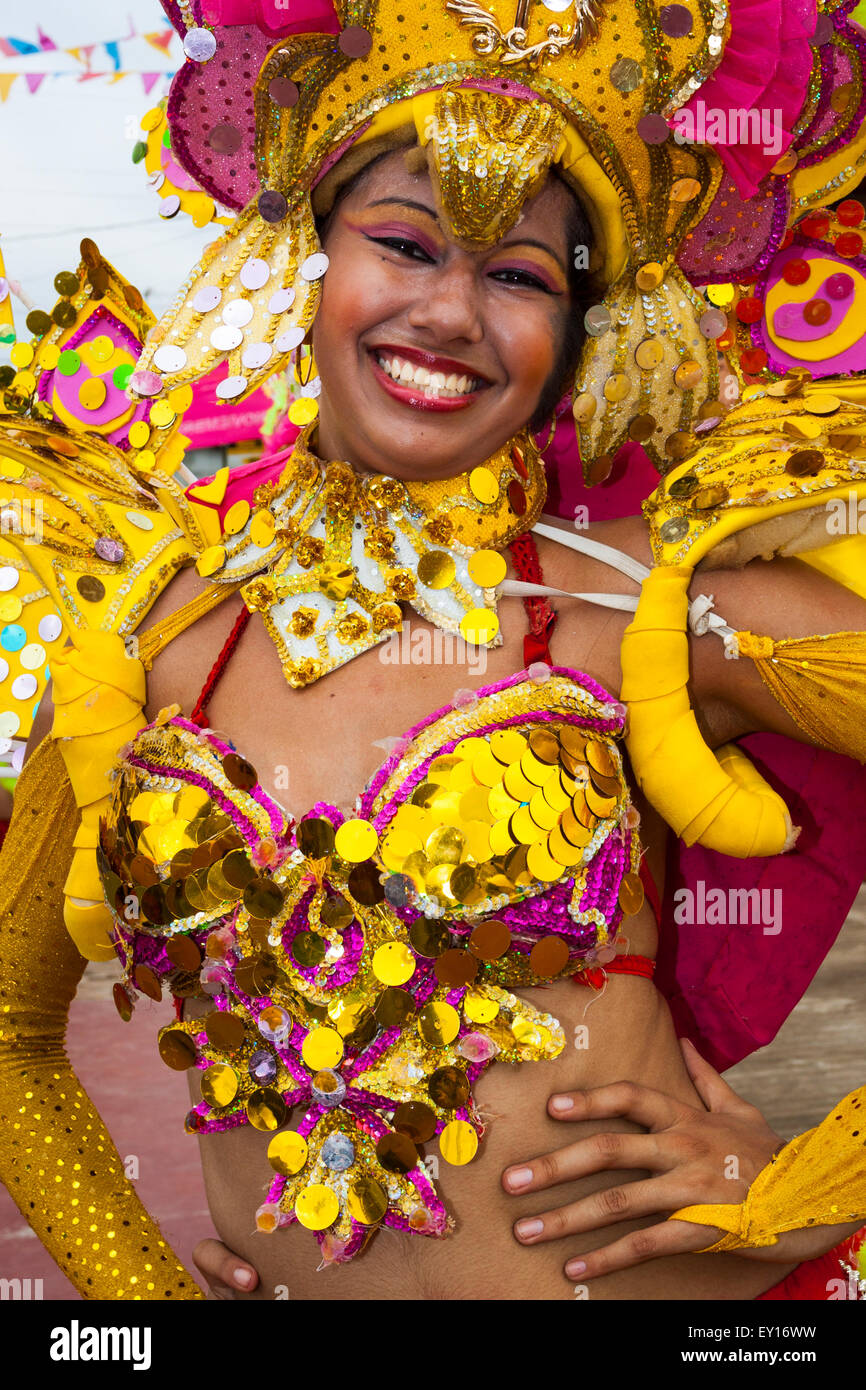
column 781, row 599
column 56, row 1159
column 686, row 1148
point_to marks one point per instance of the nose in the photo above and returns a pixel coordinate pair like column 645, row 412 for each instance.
column 449, row 311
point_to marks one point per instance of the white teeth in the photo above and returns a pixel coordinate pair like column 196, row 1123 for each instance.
column 434, row 385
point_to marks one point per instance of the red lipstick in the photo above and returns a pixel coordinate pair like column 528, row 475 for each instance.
column 414, row 395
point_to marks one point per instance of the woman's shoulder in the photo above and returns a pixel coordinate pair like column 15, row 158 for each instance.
column 567, row 565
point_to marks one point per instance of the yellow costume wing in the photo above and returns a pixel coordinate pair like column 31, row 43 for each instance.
column 108, row 537
column 93, row 528
column 91, row 525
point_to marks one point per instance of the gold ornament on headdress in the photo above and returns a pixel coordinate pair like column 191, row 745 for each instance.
column 510, row 47
column 489, row 156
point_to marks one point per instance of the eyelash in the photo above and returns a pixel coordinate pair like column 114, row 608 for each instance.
column 524, row 281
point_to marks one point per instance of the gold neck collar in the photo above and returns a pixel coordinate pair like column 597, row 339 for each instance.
column 484, row 508
column 335, row 553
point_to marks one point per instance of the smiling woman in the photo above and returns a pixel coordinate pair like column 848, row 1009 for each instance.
column 516, row 309
column 401, row 300
column 364, row 950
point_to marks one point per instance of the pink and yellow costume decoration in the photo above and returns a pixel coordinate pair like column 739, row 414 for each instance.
column 361, row 970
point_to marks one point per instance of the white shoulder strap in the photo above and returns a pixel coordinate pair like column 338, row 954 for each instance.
column 607, row 554
column 701, row 617
column 518, row 588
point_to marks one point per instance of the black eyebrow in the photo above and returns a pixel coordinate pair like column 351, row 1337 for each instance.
column 542, row 246
column 522, row 241
column 406, row 203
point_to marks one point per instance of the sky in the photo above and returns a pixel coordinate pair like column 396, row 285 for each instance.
column 66, row 166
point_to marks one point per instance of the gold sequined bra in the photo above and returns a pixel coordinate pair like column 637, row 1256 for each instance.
column 360, row 969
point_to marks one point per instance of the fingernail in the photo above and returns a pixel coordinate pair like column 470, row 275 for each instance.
column 575, row 1267
column 527, row 1229
column 561, row 1103
column 518, row 1177
column 243, row 1277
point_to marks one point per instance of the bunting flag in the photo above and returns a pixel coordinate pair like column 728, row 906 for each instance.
column 34, row 80
column 12, row 47
column 160, row 40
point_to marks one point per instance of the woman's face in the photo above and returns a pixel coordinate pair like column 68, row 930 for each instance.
column 431, row 357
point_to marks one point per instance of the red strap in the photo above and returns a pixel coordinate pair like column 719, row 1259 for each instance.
column 216, row 672
column 620, row 965
column 651, row 891
column 542, row 617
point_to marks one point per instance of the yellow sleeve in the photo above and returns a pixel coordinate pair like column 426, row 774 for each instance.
column 819, row 1179
column 56, row 1158
column 716, row 799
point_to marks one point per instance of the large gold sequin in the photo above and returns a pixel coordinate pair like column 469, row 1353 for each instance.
column 488, row 798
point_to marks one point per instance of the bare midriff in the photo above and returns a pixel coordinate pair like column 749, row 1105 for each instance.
column 329, row 739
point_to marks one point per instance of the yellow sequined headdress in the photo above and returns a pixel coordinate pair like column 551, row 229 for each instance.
column 497, row 95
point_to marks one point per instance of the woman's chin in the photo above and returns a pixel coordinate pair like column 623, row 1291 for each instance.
column 421, row 449
column 419, row 461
